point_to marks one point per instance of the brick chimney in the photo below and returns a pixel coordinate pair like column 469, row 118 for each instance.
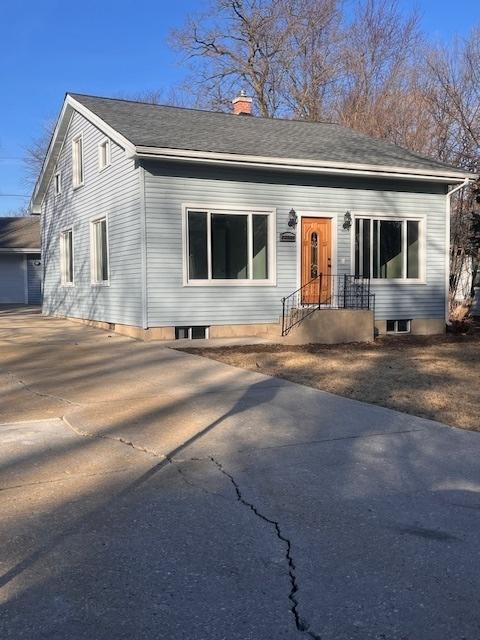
column 242, row 105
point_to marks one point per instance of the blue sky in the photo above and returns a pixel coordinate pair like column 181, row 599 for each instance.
column 109, row 47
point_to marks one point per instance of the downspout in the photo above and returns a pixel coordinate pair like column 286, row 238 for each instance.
column 447, row 245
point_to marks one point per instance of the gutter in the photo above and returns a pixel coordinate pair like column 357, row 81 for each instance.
column 293, row 164
column 450, row 193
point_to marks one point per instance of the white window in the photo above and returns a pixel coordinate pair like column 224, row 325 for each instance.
column 229, row 247
column 99, row 252
column 103, row 154
column 191, row 333
column 388, row 248
column 77, row 161
column 58, row 183
column 66, row 257
column 398, row 326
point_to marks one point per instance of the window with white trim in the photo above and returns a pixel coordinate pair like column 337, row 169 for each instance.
column 99, row 253
column 229, row 246
column 398, row 326
column 66, row 256
column 77, row 161
column 58, row 183
column 103, row 154
column 387, row 249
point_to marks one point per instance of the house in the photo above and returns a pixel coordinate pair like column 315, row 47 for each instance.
column 20, row 264
column 166, row 222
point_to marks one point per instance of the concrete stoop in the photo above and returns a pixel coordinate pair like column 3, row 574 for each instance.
column 333, row 326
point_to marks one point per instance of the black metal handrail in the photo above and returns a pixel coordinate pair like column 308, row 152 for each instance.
column 326, row 291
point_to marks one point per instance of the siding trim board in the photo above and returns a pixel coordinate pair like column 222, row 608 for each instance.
column 143, row 235
column 25, row 278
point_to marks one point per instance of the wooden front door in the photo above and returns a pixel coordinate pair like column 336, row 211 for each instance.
column 316, row 259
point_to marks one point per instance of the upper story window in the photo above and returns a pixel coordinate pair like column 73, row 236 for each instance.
column 229, row 247
column 104, row 154
column 66, row 257
column 58, row 183
column 77, row 161
column 388, row 248
column 99, row 252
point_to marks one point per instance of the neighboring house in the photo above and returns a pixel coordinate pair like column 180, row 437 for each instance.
column 169, row 222
column 20, row 264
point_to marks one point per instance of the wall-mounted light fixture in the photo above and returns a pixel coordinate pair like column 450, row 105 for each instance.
column 292, row 218
column 347, row 220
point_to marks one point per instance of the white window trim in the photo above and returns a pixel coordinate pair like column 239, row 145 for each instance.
column 108, row 145
column 76, row 185
column 232, row 210
column 422, row 220
column 63, row 266
column 93, row 282
column 396, row 331
column 59, row 175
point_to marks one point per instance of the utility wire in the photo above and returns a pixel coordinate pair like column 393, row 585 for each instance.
column 13, row 195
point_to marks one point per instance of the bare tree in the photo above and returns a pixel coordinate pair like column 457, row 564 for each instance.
column 35, row 153
column 237, row 44
column 378, row 56
column 309, row 63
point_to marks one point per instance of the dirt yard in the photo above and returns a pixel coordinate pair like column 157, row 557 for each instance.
column 434, row 377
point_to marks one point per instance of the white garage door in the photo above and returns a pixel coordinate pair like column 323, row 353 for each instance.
column 12, row 279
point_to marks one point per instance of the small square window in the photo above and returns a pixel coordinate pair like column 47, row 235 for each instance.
column 390, row 326
column 103, row 154
column 58, row 183
column 403, row 326
column 199, row 333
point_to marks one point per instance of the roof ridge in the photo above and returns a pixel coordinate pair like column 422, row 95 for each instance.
column 199, row 110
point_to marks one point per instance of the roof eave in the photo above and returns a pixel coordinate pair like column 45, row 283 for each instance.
column 295, row 164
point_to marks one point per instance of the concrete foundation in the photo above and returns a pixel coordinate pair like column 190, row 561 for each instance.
column 327, row 326
column 419, row 326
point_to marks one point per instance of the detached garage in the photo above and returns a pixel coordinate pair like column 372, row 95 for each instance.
column 20, row 261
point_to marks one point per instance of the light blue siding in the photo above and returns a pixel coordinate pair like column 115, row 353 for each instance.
column 113, row 192
column 168, row 187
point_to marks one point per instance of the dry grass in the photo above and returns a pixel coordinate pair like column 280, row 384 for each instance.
column 434, row 377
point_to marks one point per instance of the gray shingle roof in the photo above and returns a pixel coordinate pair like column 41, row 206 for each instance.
column 192, row 129
column 20, row 233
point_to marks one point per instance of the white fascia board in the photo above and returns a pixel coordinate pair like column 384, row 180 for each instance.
column 69, row 106
column 293, row 164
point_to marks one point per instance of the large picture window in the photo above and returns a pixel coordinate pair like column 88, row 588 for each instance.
column 228, row 246
column 66, row 257
column 387, row 249
column 99, row 254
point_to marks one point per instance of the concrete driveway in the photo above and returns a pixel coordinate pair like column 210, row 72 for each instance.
column 147, row 493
